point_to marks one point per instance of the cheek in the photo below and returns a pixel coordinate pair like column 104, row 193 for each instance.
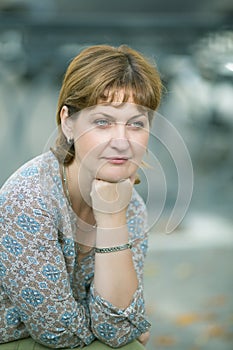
column 81, row 147
column 145, row 138
column 88, row 146
column 140, row 144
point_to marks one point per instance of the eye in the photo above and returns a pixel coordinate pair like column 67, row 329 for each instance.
column 136, row 124
column 103, row 123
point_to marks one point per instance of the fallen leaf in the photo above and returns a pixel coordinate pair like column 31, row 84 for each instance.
column 187, row 319
column 215, row 331
column 165, row 340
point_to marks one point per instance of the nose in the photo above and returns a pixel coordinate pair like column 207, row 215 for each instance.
column 119, row 139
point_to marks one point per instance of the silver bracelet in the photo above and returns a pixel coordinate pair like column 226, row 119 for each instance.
column 114, row 249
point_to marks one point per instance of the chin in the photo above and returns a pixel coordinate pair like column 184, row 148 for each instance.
column 116, row 173
column 112, row 177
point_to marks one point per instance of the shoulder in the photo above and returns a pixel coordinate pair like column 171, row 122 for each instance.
column 32, row 171
column 37, row 180
column 33, row 193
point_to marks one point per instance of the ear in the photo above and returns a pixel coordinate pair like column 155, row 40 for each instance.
column 66, row 123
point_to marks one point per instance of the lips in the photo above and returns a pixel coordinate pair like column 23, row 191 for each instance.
column 117, row 159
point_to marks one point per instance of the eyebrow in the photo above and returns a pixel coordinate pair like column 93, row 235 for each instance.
column 111, row 117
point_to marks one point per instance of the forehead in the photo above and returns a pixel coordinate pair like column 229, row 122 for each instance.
column 118, row 109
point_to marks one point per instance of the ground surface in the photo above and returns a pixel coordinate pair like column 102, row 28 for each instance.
column 189, row 289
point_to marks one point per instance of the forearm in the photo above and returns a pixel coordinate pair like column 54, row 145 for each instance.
column 115, row 276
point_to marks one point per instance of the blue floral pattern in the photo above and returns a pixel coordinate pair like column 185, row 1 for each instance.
column 106, row 330
column 2, row 269
column 2, row 200
column 49, row 338
column 32, row 296
column 12, row 245
column 12, row 317
column 28, row 223
column 67, row 318
column 30, row 171
column 51, row 272
column 45, row 293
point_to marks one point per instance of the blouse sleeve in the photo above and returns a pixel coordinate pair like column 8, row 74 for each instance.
column 37, row 296
column 111, row 325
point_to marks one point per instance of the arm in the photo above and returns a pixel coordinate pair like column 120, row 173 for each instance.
column 118, row 283
column 38, row 299
column 115, row 276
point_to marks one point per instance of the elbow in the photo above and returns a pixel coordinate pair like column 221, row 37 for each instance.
column 108, row 334
column 49, row 339
column 56, row 340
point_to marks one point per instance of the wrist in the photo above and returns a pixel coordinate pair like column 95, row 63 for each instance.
column 110, row 237
column 111, row 220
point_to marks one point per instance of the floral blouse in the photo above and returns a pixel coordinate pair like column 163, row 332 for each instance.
column 45, row 292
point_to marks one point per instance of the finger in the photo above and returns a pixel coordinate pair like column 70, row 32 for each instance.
column 144, row 337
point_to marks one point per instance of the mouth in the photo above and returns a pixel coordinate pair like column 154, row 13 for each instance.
column 117, row 160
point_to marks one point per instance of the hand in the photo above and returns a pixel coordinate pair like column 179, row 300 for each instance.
column 110, row 199
column 144, row 337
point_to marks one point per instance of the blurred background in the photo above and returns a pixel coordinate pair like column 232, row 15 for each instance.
column 188, row 273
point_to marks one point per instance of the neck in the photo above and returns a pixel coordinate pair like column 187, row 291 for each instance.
column 79, row 184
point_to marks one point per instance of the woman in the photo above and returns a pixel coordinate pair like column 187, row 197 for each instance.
column 73, row 228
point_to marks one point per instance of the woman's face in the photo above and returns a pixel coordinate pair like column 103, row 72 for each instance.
column 110, row 140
